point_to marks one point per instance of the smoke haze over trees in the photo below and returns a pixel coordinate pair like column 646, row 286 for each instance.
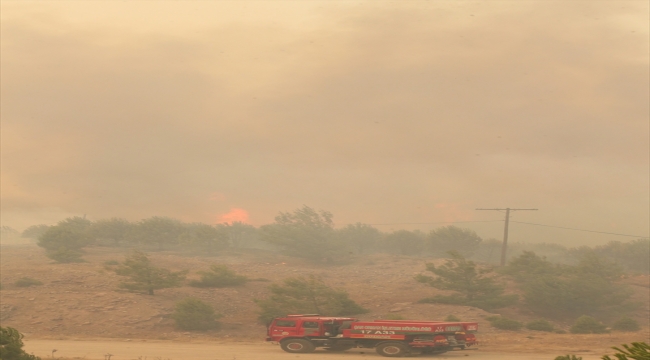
column 312, row 234
column 380, row 112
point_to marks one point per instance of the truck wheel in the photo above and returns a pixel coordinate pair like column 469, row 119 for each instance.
column 297, row 346
column 392, row 349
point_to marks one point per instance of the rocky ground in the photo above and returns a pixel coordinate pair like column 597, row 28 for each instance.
column 83, row 301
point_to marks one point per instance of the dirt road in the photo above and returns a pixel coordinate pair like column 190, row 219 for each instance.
column 167, row 350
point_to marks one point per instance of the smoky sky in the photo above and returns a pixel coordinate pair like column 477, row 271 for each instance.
column 379, row 112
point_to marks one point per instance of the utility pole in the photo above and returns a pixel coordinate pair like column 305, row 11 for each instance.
column 504, row 247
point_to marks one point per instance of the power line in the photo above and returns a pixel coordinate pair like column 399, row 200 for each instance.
column 568, row 228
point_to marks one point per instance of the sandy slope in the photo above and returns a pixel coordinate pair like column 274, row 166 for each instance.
column 82, row 302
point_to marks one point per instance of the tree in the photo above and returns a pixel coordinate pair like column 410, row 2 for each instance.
column 447, row 238
column 360, row 236
column 205, row 238
column 529, row 266
column 305, row 233
column 561, row 297
column 159, row 231
column 219, row 276
column 238, row 233
column 626, row 324
column 307, row 295
column 11, row 345
column 143, row 276
column 588, row 325
column 472, row 285
column 405, row 242
column 632, row 255
column 559, row 291
column 64, row 241
column 35, row 231
column 194, row 314
column 113, row 232
column 488, row 251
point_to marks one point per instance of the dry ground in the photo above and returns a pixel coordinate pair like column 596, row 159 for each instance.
column 166, row 350
column 82, row 301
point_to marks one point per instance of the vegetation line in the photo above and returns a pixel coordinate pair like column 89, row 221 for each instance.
column 430, row 223
column 568, row 228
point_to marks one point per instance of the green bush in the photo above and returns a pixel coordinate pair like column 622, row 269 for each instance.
column 27, row 282
column 143, row 276
column 194, row 314
column 452, row 318
column 472, row 284
column 540, row 325
column 65, row 255
column 588, row 325
column 559, row 291
column 568, row 357
column 64, row 242
column 638, row 351
column 505, row 323
column 306, row 295
column 11, row 345
column 219, row 276
column 626, row 324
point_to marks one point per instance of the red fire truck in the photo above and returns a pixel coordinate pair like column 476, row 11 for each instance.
column 392, row 338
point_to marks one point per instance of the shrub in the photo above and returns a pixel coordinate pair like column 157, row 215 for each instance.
column 11, row 345
column 588, row 325
column 63, row 242
column 111, row 262
column 505, row 323
column 559, row 291
column 638, row 351
column 451, row 237
column 540, row 325
column 219, row 276
column 626, row 324
column 143, row 276
column 568, row 357
column 65, row 255
column 194, row 314
column 452, row 318
column 473, row 286
column 27, row 282
column 306, row 233
column 309, row 295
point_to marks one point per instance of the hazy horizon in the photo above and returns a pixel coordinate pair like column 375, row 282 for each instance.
column 379, row 112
